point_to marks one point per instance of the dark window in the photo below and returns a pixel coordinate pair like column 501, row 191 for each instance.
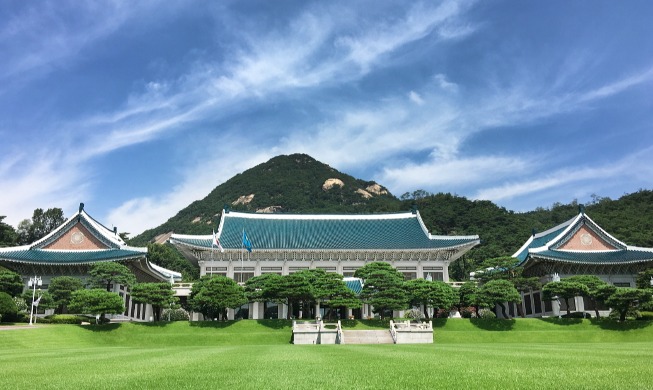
column 538, row 302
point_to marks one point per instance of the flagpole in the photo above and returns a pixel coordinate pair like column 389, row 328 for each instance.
column 242, row 256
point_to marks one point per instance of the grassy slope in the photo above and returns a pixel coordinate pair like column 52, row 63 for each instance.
column 249, row 354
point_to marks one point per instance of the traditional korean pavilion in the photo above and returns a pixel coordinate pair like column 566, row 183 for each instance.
column 286, row 243
column 74, row 246
column 579, row 247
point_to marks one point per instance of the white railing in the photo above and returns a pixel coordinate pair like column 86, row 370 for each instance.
column 393, row 331
column 340, row 337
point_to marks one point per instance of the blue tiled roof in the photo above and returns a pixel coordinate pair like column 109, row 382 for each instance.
column 602, row 257
column 355, row 285
column 53, row 257
column 375, row 232
column 545, row 246
column 539, row 241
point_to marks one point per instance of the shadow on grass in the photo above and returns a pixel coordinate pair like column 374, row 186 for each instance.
column 157, row 324
column 610, row 324
column 213, row 324
column 275, row 324
column 562, row 321
column 493, row 324
column 439, row 322
column 100, row 328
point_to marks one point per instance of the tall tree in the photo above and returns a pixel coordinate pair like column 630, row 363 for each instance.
column 295, row 289
column 159, row 295
column 597, row 290
column 96, row 301
column 564, row 289
column 264, row 288
column 8, row 236
column 42, row 223
column 329, row 288
column 626, row 298
column 467, row 296
column 436, row 294
column 212, row 296
column 61, row 289
column 497, row 292
column 11, row 283
column 106, row 273
column 383, row 287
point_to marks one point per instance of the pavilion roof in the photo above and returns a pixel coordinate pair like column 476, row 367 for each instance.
column 105, row 245
column 398, row 231
column 553, row 245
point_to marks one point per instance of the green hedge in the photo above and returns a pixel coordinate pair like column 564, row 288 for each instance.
column 63, row 319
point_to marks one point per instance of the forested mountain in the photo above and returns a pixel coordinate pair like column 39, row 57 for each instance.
column 300, row 184
column 285, row 184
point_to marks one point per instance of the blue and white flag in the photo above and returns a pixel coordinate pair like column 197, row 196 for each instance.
column 246, row 242
column 37, row 301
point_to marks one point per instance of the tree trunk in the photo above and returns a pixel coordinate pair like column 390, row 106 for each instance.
column 567, row 303
column 503, row 311
column 289, row 313
column 520, row 310
column 622, row 315
column 596, row 308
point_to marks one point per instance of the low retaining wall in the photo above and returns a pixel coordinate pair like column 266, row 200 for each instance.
column 314, row 333
column 406, row 332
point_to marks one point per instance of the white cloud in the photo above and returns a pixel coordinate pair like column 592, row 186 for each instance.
column 415, row 98
column 445, row 84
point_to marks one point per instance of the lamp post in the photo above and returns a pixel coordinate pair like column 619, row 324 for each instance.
column 33, row 282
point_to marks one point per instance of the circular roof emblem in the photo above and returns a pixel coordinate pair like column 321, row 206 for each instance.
column 586, row 239
column 77, row 238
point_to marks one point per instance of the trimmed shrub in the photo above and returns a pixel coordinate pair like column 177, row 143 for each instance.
column 63, row 319
column 21, row 304
column 486, row 313
column 175, row 315
column 8, row 309
column 645, row 315
column 467, row 312
column 414, row 314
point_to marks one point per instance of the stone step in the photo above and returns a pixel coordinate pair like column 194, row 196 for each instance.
column 367, row 337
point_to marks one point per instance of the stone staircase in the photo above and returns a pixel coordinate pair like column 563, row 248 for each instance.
column 367, row 337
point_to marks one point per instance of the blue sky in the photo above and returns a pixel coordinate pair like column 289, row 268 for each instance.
column 140, row 108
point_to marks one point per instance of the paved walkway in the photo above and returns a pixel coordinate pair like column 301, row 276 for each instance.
column 12, row 327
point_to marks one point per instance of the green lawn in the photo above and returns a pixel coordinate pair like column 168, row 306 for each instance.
column 257, row 355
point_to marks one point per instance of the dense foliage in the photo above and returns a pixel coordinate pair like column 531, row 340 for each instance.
column 61, row 288
column 11, row 283
column 8, row 234
column 167, row 256
column 96, row 301
column 103, row 275
column 159, row 295
column 41, row 223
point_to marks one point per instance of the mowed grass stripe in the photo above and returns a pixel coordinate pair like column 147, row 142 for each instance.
column 252, row 355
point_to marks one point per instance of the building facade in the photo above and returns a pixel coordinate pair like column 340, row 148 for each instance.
column 578, row 246
column 73, row 247
column 287, row 243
